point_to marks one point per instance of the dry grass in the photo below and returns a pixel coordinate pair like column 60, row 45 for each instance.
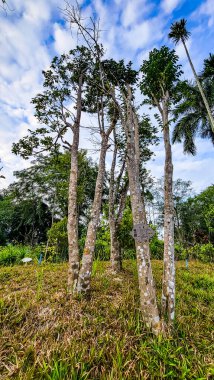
column 45, row 335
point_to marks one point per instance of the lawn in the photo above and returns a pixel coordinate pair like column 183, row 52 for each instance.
column 45, row 335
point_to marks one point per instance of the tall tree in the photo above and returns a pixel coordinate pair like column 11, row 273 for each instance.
column 119, row 183
column 124, row 77
column 98, row 100
column 178, row 32
column 160, row 75
column 64, row 85
column 84, row 278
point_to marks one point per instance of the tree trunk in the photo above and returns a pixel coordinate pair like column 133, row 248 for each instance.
column 87, row 259
column 168, row 286
column 72, row 226
column 115, row 255
column 148, row 301
column 116, row 260
column 200, row 88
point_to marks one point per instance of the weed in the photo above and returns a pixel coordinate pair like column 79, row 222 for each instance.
column 46, row 335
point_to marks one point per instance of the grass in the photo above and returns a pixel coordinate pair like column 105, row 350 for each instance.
column 45, row 335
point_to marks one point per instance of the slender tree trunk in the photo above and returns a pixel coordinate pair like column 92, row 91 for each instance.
column 72, row 226
column 200, row 88
column 168, row 286
column 87, row 259
column 115, row 255
column 116, row 259
column 148, row 301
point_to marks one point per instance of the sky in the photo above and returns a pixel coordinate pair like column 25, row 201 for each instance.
column 33, row 32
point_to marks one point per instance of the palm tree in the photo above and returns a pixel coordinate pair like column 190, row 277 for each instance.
column 208, row 70
column 178, row 32
column 191, row 115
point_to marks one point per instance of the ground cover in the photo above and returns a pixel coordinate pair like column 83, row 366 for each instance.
column 45, row 335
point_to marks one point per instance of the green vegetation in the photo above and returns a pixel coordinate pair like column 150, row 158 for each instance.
column 45, row 335
column 88, row 318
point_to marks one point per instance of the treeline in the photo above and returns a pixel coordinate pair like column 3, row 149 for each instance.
column 33, row 211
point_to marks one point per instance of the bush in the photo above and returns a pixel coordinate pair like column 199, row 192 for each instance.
column 58, row 241
column 128, row 254
column 157, row 248
column 13, row 254
column 202, row 252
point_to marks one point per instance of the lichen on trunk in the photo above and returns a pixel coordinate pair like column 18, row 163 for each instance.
column 84, row 279
column 72, row 226
column 148, row 300
column 168, row 286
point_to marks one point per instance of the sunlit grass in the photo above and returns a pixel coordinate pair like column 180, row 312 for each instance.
column 45, row 335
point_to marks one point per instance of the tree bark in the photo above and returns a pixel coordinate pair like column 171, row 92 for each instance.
column 148, row 301
column 168, row 285
column 116, row 259
column 200, row 88
column 87, row 259
column 72, row 225
column 115, row 255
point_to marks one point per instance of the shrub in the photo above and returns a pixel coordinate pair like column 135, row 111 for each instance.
column 13, row 254
column 58, row 241
column 202, row 252
column 157, row 248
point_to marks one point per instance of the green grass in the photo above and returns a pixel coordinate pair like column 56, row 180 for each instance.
column 45, row 335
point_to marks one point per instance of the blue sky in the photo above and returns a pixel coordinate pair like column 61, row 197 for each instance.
column 32, row 32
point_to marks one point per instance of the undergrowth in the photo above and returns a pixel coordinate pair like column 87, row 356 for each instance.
column 45, row 335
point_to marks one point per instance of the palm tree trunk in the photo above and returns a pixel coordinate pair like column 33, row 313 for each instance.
column 72, row 225
column 200, row 88
column 168, row 286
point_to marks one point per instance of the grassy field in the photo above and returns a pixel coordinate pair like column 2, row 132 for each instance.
column 44, row 335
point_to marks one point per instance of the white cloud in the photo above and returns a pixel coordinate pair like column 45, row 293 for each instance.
column 33, row 33
column 133, row 11
column 207, row 9
column 168, row 6
column 64, row 41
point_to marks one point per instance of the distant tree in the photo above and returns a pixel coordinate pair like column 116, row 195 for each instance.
column 197, row 218
column 6, row 214
column 178, row 32
column 26, row 221
column 48, row 179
